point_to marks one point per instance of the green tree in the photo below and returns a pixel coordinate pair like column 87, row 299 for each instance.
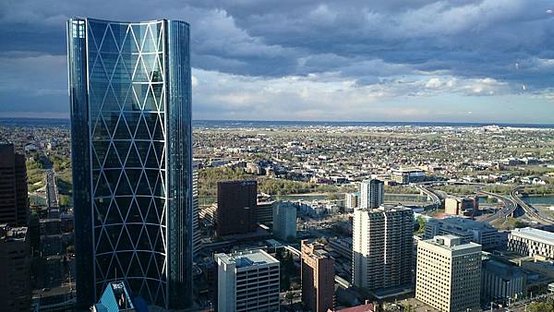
column 421, row 225
column 545, row 306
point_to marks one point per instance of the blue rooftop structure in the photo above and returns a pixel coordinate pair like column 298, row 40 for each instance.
column 116, row 298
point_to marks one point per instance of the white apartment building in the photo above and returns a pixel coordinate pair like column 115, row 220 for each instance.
column 247, row 281
column 382, row 247
column 372, row 193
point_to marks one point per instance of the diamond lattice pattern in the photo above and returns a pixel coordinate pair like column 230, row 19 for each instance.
column 126, row 100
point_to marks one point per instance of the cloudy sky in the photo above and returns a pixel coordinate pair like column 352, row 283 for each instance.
column 359, row 60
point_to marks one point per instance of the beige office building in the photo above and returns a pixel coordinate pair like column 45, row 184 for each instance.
column 449, row 274
column 382, row 247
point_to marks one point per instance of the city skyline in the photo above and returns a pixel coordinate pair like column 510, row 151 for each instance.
column 486, row 61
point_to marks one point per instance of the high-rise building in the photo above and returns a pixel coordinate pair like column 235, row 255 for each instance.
column 351, row 201
column 15, row 269
column 284, row 220
column 236, row 207
column 382, row 247
column 196, row 238
column 372, row 193
column 247, row 281
column 14, row 201
column 130, row 97
column 318, row 277
column 449, row 274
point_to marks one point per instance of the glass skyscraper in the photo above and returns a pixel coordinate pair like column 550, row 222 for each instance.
column 130, row 97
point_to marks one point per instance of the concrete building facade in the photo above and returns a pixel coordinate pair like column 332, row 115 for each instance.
column 318, row 277
column 449, row 274
column 532, row 242
column 501, row 282
column 351, row 201
column 284, row 220
column 372, row 193
column 469, row 230
column 461, row 206
column 382, row 247
column 247, row 281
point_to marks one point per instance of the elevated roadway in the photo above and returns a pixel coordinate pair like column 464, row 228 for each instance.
column 508, row 210
column 530, row 211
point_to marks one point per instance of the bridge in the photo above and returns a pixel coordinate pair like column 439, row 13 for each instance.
column 432, row 195
column 530, row 211
column 509, row 208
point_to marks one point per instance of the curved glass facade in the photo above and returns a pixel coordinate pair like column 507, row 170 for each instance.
column 130, row 93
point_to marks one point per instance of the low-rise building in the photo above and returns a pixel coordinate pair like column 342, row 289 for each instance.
column 532, row 242
column 501, row 282
column 469, row 230
column 461, row 206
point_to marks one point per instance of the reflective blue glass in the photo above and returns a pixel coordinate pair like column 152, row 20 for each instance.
column 130, row 94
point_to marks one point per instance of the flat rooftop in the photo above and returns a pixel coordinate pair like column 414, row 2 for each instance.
column 247, row 258
column 451, row 242
column 466, row 224
column 534, row 234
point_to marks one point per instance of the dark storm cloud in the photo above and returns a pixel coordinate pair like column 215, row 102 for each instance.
column 369, row 42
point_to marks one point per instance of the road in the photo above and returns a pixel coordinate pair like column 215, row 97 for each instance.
column 51, row 191
column 432, row 195
column 531, row 212
column 509, row 208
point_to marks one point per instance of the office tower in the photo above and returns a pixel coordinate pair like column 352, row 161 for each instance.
column 318, row 277
column 14, row 201
column 502, row 281
column 15, row 269
column 469, row 230
column 532, row 242
column 130, row 96
column 449, row 274
column 372, row 193
column 236, row 207
column 382, row 247
column 247, row 281
column 284, row 220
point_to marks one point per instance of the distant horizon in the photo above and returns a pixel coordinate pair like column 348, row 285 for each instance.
column 423, row 123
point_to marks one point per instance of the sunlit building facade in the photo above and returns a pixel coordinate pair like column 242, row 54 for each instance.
column 130, row 97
